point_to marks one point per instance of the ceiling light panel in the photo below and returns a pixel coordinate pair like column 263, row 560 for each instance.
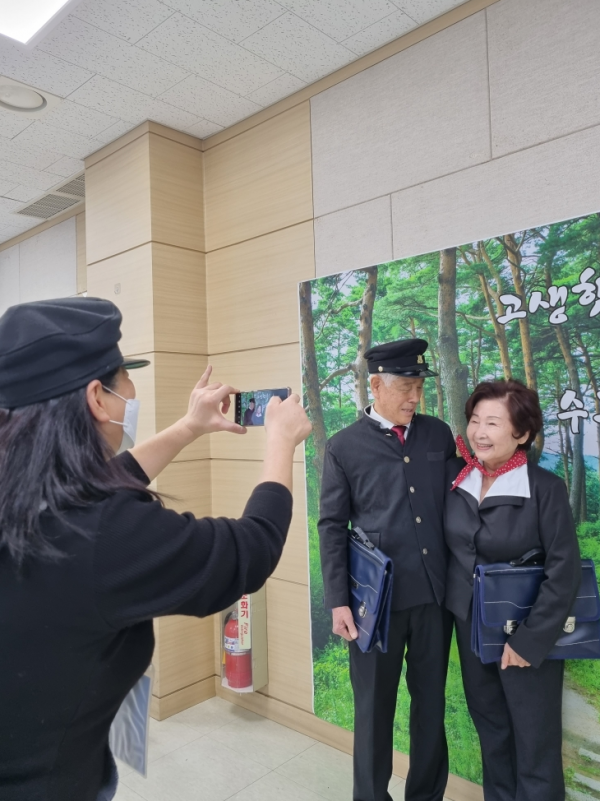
column 27, row 21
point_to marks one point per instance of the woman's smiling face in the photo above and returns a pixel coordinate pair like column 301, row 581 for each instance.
column 491, row 433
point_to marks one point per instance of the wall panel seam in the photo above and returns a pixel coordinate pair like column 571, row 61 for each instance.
column 259, row 347
column 261, row 236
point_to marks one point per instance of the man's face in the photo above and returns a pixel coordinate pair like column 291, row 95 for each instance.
column 397, row 401
column 251, row 406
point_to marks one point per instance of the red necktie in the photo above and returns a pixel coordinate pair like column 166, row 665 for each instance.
column 399, row 432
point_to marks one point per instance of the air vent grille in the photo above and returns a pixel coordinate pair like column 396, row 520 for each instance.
column 59, row 199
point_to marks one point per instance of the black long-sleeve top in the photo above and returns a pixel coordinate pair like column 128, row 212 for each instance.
column 505, row 527
column 76, row 635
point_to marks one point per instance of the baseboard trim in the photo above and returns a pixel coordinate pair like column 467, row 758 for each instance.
column 306, row 723
column 171, row 704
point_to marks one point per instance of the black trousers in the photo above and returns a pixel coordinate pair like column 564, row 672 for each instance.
column 424, row 632
column 518, row 716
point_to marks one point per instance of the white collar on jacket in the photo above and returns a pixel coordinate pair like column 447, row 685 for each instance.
column 515, row 482
column 383, row 423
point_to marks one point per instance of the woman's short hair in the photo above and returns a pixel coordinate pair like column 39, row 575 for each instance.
column 523, row 406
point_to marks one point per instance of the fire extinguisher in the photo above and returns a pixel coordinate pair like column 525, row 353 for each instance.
column 238, row 662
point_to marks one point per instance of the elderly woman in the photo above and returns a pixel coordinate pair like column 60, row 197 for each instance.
column 500, row 507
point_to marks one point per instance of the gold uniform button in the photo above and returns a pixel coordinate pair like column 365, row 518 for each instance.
column 412, row 489
column 418, row 519
column 407, row 458
column 425, row 551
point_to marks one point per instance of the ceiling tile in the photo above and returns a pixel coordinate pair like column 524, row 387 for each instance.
column 65, row 167
column 12, row 123
column 6, row 187
column 8, row 207
column 281, row 87
column 382, row 32
column 423, row 10
column 29, row 156
column 34, row 179
column 127, row 19
column 62, row 142
column 210, row 102
column 22, row 193
column 134, row 107
column 114, row 132
column 40, row 70
column 340, row 18
column 204, row 128
column 79, row 119
column 205, row 53
column 297, row 47
column 95, row 50
column 233, row 19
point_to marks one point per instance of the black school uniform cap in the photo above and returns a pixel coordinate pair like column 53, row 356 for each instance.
column 51, row 347
column 404, row 357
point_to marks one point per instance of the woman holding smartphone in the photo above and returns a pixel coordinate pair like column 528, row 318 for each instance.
column 88, row 554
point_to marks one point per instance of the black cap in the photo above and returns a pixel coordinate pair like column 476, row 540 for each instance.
column 51, row 347
column 404, row 357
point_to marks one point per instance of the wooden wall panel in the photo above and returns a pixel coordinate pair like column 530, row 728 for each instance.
column 126, row 279
column 188, row 485
column 177, row 186
column 144, row 380
column 254, row 369
column 117, row 194
column 259, row 182
column 232, row 483
column 252, row 290
column 185, row 653
column 290, row 660
column 176, row 375
column 81, row 254
column 179, row 289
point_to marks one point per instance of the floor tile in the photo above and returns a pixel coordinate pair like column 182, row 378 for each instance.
column 167, row 736
column 122, row 768
column 203, row 770
column 263, row 740
column 125, row 793
column 323, row 770
column 274, row 787
column 213, row 714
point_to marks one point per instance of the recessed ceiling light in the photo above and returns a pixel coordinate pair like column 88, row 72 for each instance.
column 28, row 21
column 19, row 98
column 22, row 99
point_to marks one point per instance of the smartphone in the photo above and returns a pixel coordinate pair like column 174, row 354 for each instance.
column 250, row 406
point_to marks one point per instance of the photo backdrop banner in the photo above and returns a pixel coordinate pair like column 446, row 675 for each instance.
column 524, row 304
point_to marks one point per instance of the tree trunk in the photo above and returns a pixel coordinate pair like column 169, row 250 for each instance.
column 454, row 374
column 499, row 332
column 563, row 449
column 438, row 379
column 365, row 333
column 413, row 331
column 594, row 384
column 311, row 375
column 513, row 252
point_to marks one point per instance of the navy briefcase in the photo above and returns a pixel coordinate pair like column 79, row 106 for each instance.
column 503, row 595
column 370, row 573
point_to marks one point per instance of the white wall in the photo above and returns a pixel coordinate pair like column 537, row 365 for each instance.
column 491, row 126
column 41, row 267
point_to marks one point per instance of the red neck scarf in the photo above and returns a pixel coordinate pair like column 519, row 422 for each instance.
column 518, row 459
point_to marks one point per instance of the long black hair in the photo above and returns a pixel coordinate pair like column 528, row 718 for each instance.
column 53, row 457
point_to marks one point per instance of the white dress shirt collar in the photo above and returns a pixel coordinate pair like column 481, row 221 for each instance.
column 515, row 482
column 383, row 423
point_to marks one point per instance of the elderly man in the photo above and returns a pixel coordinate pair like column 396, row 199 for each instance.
column 386, row 474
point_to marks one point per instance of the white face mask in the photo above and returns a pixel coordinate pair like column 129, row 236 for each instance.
column 130, row 421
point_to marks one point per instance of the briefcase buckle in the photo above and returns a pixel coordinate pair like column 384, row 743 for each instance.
column 362, row 610
column 569, row 626
column 511, row 626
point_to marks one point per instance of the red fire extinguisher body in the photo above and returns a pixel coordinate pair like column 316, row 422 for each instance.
column 238, row 663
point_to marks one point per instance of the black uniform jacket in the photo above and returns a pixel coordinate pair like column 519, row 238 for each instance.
column 395, row 493
column 503, row 528
column 76, row 635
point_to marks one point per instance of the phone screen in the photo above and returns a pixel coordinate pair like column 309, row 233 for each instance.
column 250, row 406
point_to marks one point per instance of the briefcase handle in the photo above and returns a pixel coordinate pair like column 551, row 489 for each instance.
column 358, row 534
column 535, row 556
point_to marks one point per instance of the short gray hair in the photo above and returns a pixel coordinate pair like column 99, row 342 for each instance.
column 387, row 378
